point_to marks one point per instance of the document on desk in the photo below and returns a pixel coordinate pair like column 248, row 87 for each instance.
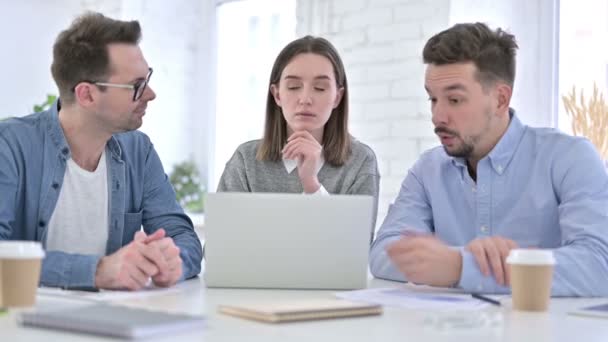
column 403, row 297
column 105, row 295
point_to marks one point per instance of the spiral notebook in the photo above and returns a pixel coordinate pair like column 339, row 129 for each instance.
column 114, row 321
column 301, row 311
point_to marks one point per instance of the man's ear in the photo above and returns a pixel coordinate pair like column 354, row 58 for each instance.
column 503, row 97
column 274, row 90
column 339, row 96
column 83, row 93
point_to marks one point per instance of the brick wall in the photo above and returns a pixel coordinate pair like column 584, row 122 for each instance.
column 381, row 43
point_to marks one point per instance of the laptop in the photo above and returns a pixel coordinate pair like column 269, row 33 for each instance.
column 287, row 241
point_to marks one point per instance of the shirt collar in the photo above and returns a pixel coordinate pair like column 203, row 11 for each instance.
column 58, row 137
column 291, row 164
column 502, row 153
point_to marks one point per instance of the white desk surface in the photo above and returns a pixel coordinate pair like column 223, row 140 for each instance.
column 393, row 325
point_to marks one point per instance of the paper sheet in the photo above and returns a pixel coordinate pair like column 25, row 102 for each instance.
column 403, row 297
column 105, row 295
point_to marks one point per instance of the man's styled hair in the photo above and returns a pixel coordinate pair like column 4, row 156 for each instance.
column 492, row 52
column 80, row 52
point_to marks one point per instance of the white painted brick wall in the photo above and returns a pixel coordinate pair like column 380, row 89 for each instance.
column 417, row 10
column 393, row 109
column 381, row 43
column 364, row 18
column 348, row 6
column 390, row 32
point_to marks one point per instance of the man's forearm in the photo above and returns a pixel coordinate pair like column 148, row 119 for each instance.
column 191, row 254
column 61, row 269
column 380, row 263
column 472, row 280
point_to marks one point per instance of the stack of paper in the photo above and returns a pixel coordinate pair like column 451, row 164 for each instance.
column 409, row 299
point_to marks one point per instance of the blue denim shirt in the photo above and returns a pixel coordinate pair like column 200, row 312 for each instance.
column 538, row 187
column 33, row 155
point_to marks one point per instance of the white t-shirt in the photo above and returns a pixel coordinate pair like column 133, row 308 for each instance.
column 79, row 224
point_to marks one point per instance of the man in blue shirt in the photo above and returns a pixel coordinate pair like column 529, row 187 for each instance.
column 82, row 180
column 495, row 184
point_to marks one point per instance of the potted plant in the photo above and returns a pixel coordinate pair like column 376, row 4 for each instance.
column 189, row 191
column 50, row 99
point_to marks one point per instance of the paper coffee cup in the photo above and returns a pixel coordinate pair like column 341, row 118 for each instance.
column 531, row 278
column 20, row 263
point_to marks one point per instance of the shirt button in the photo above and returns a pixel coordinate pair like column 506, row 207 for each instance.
column 473, row 189
column 65, row 150
column 484, row 229
column 499, row 168
column 55, row 185
column 41, row 223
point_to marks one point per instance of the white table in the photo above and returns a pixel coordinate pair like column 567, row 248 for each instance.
column 393, row 325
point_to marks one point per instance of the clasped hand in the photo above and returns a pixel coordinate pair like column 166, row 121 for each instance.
column 152, row 257
column 306, row 150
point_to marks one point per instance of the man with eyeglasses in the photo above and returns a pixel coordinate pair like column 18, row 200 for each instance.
column 82, row 180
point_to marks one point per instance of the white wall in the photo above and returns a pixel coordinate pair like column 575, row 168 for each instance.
column 27, row 38
column 535, row 26
column 177, row 42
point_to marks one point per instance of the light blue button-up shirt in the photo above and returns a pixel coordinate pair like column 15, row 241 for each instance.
column 538, row 187
column 33, row 155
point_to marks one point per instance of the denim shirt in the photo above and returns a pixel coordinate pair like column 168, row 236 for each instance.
column 538, row 187
column 33, row 156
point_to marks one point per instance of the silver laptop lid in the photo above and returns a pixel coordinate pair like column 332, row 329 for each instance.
column 265, row 240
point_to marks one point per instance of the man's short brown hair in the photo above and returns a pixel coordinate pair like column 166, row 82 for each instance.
column 492, row 52
column 80, row 52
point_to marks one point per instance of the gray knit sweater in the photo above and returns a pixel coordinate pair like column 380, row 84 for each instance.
column 358, row 176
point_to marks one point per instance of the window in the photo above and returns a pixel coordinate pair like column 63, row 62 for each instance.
column 583, row 52
column 250, row 35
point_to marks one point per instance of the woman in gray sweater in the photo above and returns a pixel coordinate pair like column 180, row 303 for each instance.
column 306, row 146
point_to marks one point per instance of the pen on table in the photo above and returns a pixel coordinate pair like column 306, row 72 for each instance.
column 485, row 299
column 81, row 288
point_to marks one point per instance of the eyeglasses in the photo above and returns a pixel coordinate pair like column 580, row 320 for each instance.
column 138, row 87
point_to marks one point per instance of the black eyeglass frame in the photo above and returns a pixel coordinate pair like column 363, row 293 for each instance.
column 138, row 87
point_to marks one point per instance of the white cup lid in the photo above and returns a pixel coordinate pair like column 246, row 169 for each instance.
column 531, row 257
column 21, row 250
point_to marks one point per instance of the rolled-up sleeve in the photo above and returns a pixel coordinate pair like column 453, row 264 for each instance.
column 411, row 212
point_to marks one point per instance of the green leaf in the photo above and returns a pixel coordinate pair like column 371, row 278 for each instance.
column 50, row 99
column 189, row 192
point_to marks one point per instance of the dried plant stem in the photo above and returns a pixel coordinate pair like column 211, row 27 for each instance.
column 589, row 117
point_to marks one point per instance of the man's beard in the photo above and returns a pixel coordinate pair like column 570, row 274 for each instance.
column 465, row 150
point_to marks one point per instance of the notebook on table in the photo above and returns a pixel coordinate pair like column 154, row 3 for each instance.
column 300, row 310
column 112, row 320
column 287, row 241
